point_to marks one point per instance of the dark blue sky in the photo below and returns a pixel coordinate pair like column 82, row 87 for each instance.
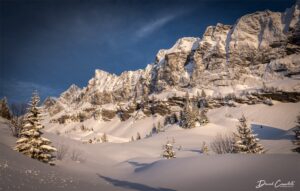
column 48, row 45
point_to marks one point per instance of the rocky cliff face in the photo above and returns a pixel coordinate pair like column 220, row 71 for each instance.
column 68, row 100
column 263, row 47
column 257, row 47
column 109, row 88
column 174, row 66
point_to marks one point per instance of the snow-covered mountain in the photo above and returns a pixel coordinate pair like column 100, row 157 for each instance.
column 260, row 53
column 215, row 103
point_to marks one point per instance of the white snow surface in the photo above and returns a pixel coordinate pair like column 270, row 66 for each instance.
column 277, row 118
column 138, row 165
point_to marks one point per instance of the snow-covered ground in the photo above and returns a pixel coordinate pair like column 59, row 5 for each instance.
column 138, row 165
column 276, row 122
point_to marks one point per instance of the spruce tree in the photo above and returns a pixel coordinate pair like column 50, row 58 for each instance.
column 154, row 129
column 174, row 118
column 245, row 140
column 203, row 119
column 202, row 101
column 198, row 96
column 159, row 127
column 4, row 109
column 152, row 105
column 104, row 138
column 189, row 116
column 16, row 125
column 138, row 136
column 203, row 94
column 168, row 151
column 31, row 143
column 297, row 136
column 192, row 117
column 204, row 148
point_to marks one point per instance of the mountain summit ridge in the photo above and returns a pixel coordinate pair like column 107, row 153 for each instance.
column 260, row 48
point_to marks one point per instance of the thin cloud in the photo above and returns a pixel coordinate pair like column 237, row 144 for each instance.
column 151, row 27
column 156, row 24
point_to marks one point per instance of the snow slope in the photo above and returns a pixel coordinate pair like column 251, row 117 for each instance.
column 139, row 165
column 278, row 119
column 259, row 51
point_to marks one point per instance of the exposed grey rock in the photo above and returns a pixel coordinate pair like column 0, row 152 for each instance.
column 260, row 47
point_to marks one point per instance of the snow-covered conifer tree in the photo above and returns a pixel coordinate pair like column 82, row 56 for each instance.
column 297, row 136
column 168, row 151
column 189, row 117
column 204, row 148
column 16, row 126
column 203, row 119
column 245, row 140
column 192, row 116
column 174, row 118
column 4, row 109
column 203, row 94
column 104, row 138
column 201, row 100
column 154, row 129
column 138, row 136
column 31, row 142
column 159, row 127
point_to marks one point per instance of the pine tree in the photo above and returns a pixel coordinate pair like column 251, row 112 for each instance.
column 104, row 138
column 4, row 109
column 159, row 127
column 297, row 136
column 203, row 119
column 202, row 101
column 174, row 118
column 168, row 151
column 31, row 143
column 167, row 120
column 192, row 116
column 138, row 136
column 185, row 112
column 198, row 95
column 203, row 94
column 154, row 129
column 189, row 116
column 152, row 105
column 204, row 148
column 16, row 125
column 245, row 141
column 202, row 104
column 181, row 118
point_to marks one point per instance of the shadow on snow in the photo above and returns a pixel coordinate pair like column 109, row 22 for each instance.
column 270, row 133
column 141, row 166
column 132, row 185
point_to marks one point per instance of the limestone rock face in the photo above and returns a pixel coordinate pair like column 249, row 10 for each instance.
column 210, row 57
column 174, row 66
column 52, row 106
column 49, row 101
column 69, row 99
column 255, row 48
column 109, row 88
column 262, row 47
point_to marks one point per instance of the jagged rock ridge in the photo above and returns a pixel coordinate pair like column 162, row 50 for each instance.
column 260, row 48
